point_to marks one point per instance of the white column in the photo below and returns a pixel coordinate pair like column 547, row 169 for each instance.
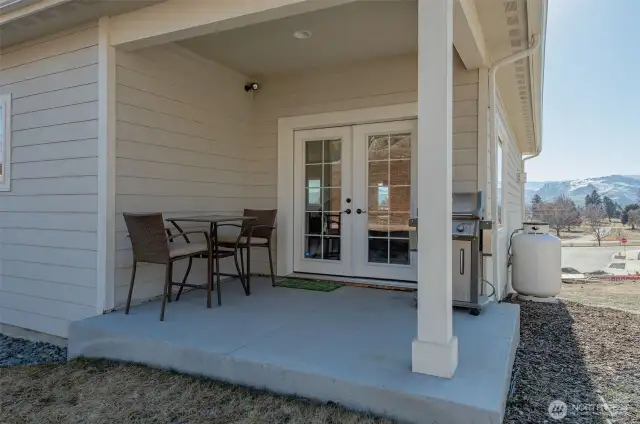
column 106, row 169
column 435, row 350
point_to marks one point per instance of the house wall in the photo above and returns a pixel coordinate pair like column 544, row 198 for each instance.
column 48, row 221
column 512, row 193
column 380, row 82
column 183, row 136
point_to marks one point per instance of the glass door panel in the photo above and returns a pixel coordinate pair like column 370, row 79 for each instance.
column 322, row 175
column 383, row 180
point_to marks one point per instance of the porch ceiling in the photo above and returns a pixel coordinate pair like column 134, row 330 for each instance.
column 355, row 31
column 62, row 15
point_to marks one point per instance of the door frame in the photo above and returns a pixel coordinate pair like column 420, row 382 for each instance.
column 286, row 142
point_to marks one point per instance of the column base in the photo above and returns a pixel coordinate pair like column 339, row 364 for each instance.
column 440, row 360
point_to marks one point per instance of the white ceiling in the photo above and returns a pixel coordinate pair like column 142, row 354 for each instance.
column 356, row 31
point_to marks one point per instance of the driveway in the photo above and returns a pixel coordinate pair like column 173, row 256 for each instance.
column 588, row 259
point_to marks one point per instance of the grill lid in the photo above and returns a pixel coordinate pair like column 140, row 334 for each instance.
column 468, row 205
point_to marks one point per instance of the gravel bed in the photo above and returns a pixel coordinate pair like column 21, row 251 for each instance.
column 587, row 357
column 24, row 352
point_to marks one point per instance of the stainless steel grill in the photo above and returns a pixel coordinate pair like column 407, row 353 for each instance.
column 467, row 225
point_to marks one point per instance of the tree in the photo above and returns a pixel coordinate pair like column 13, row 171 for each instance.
column 625, row 215
column 593, row 218
column 559, row 214
column 610, row 207
column 536, row 199
column 593, row 199
column 634, row 218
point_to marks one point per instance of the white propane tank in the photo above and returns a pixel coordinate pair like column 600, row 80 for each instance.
column 537, row 263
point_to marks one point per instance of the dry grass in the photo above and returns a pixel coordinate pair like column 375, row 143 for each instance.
column 623, row 295
column 104, row 392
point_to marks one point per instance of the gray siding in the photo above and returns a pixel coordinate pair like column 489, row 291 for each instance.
column 48, row 220
column 183, row 133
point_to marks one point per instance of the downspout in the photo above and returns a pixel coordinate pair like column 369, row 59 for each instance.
column 493, row 137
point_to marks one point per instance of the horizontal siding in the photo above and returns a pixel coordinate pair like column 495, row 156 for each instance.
column 183, row 130
column 48, row 220
column 362, row 85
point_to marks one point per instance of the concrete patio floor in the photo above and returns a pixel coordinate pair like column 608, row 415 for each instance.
column 351, row 346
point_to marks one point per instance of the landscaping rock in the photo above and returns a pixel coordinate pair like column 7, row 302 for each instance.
column 15, row 351
column 586, row 357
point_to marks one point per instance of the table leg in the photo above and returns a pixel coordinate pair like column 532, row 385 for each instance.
column 215, row 233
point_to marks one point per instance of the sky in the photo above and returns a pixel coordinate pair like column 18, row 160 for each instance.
column 591, row 116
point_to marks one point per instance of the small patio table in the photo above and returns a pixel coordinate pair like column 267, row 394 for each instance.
column 213, row 221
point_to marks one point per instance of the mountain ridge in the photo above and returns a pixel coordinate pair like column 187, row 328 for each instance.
column 623, row 189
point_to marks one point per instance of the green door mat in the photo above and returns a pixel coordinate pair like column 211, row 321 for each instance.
column 315, row 285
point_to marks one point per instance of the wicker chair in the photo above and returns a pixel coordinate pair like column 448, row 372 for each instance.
column 253, row 233
column 151, row 244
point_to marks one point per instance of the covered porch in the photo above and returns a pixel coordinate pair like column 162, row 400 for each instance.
column 351, row 346
column 188, row 139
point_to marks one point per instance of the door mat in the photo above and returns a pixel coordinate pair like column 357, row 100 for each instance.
column 315, row 285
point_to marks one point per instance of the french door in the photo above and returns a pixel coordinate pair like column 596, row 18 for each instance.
column 354, row 187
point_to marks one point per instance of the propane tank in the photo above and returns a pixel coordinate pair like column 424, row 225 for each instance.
column 537, row 263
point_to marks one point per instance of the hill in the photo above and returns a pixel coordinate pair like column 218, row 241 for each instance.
column 623, row 189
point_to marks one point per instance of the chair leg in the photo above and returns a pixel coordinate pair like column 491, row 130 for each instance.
column 218, row 280
column 170, row 291
column 240, row 273
column 273, row 275
column 184, row 280
column 133, row 277
column 248, row 270
column 241, row 249
column 167, row 287
column 209, row 278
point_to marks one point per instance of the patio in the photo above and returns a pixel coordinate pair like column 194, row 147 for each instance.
column 351, row 346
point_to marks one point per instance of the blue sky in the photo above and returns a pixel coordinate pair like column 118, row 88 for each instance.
column 591, row 112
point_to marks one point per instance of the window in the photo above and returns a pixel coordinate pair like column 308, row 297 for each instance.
column 5, row 142
column 499, row 180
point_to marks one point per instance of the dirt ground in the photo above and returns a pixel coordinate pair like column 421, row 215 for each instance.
column 623, row 295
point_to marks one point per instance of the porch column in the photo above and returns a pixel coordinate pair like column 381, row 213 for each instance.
column 435, row 350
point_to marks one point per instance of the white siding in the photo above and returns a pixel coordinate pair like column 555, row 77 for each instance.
column 381, row 82
column 183, row 134
column 512, row 213
column 48, row 220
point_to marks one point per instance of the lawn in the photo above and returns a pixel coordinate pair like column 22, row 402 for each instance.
column 99, row 392
column 613, row 294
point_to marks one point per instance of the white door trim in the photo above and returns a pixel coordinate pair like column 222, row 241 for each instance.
column 286, row 128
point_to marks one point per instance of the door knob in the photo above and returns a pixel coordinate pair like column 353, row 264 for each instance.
column 359, row 211
column 347, row 211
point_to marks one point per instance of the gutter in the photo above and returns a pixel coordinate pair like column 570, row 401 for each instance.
column 14, row 4
column 535, row 44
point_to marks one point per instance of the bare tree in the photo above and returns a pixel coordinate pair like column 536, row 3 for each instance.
column 634, row 218
column 559, row 214
column 593, row 217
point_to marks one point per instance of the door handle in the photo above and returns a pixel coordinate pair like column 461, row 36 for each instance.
column 461, row 261
column 359, row 211
column 347, row 211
